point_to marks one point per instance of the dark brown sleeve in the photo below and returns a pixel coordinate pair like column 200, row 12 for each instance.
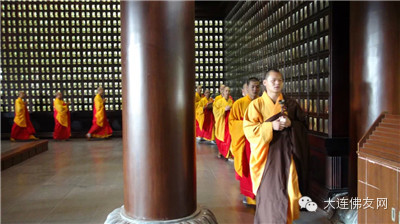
column 300, row 143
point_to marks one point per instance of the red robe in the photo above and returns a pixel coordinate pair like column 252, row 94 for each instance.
column 198, row 131
column 208, row 125
column 246, row 186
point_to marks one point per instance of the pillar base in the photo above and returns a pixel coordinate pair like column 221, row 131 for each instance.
column 201, row 215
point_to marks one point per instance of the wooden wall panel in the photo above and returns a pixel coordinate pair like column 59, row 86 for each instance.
column 374, row 69
column 308, row 42
column 362, row 167
column 381, row 183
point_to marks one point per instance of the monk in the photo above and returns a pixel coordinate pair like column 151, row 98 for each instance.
column 22, row 128
column 275, row 126
column 221, row 111
column 62, row 118
column 205, row 117
column 240, row 147
column 197, row 96
column 221, row 89
column 100, row 126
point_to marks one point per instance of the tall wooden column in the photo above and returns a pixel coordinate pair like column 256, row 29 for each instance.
column 374, row 69
column 158, row 114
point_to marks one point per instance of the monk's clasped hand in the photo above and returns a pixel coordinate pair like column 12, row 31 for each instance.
column 277, row 125
column 285, row 122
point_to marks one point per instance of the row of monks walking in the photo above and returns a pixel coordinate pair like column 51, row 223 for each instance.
column 267, row 137
column 23, row 129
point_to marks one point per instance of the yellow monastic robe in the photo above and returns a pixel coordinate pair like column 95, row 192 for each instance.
column 197, row 99
column 100, row 110
column 19, row 118
column 62, row 112
column 200, row 110
column 260, row 133
column 219, row 116
column 236, row 130
column 218, row 98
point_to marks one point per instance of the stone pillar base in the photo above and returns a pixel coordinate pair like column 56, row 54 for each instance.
column 201, row 215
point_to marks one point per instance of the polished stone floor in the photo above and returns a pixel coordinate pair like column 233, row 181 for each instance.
column 81, row 181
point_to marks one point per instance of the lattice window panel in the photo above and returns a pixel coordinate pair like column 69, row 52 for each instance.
column 209, row 54
column 292, row 36
column 69, row 46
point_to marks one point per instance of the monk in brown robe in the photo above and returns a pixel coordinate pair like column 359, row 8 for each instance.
column 275, row 126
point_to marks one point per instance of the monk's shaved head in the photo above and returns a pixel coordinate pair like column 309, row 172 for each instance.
column 273, row 70
column 226, row 92
column 58, row 94
column 21, row 94
column 221, row 88
column 198, row 89
column 100, row 90
column 207, row 93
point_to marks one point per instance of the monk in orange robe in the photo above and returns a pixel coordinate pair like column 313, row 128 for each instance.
column 240, row 147
column 62, row 118
column 276, row 130
column 22, row 128
column 100, row 126
column 221, row 110
column 197, row 97
column 205, row 117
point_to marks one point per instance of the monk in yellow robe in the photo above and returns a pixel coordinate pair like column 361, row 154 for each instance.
column 100, row 126
column 221, row 110
column 205, row 117
column 240, row 147
column 275, row 126
column 221, row 89
column 197, row 97
column 22, row 128
column 62, row 118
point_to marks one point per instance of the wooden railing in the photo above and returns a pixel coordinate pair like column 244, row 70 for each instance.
column 383, row 138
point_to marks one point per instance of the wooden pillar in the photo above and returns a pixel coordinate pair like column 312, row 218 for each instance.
column 158, row 85
column 374, row 69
